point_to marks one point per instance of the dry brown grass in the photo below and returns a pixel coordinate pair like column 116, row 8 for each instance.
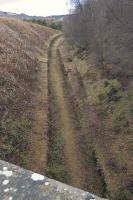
column 21, row 46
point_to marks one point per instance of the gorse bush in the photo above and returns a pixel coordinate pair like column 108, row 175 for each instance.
column 122, row 115
column 104, row 91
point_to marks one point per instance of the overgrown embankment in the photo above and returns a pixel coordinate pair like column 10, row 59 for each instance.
column 62, row 124
column 105, row 115
column 23, row 93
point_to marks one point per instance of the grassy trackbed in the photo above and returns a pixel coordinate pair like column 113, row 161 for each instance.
column 65, row 124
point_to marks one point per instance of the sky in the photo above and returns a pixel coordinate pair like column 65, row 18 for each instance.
column 35, row 7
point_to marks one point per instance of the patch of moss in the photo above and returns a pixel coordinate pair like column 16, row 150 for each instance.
column 23, row 159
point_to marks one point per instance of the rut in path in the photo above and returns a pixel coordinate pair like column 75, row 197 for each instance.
column 68, row 127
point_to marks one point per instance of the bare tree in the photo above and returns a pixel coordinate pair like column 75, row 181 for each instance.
column 104, row 27
column 77, row 4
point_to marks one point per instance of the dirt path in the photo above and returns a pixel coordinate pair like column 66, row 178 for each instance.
column 38, row 140
column 67, row 125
